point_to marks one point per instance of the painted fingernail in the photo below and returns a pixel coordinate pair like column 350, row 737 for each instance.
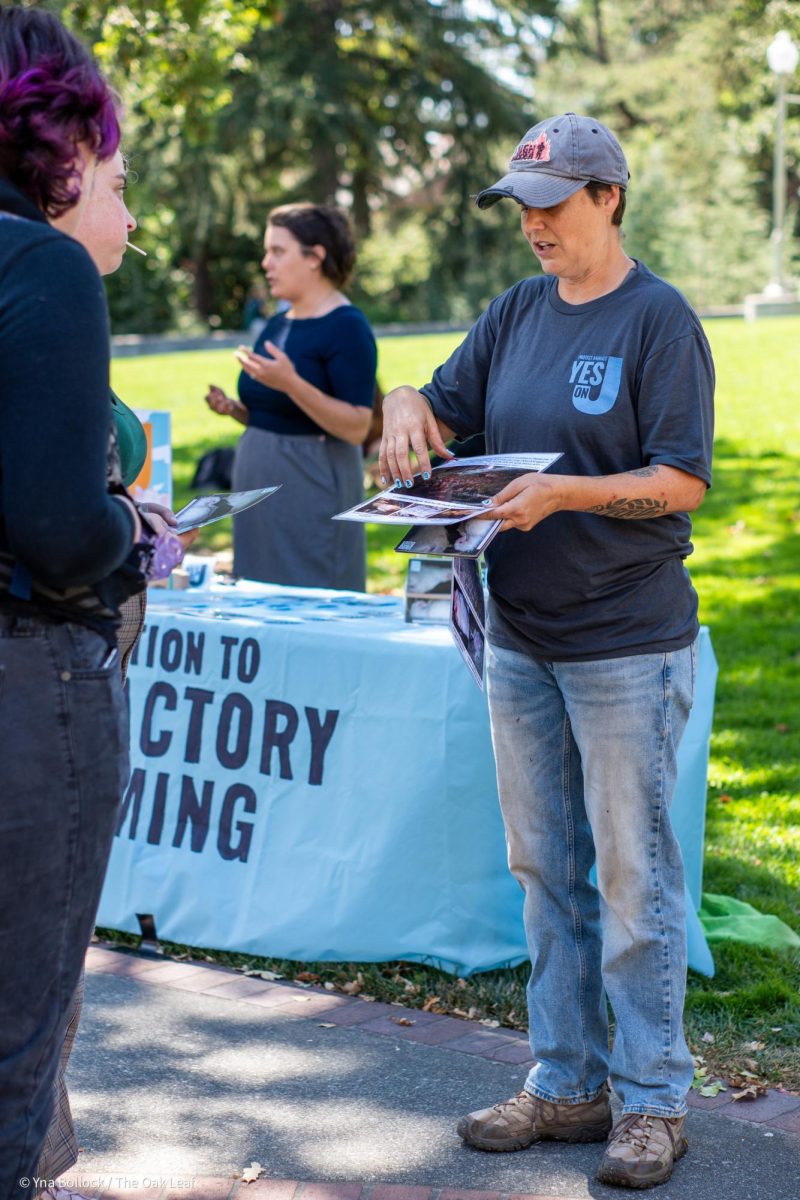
column 398, row 483
column 409, row 482
column 426, row 474
column 383, row 480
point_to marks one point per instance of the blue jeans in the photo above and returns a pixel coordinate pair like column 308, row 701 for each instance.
column 586, row 767
column 63, row 766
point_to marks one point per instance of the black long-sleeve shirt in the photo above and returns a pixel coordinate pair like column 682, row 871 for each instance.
column 56, row 516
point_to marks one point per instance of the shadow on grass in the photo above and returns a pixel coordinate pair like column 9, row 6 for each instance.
column 762, row 488
column 751, row 1008
column 729, row 875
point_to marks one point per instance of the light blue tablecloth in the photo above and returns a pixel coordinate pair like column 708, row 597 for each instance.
column 312, row 778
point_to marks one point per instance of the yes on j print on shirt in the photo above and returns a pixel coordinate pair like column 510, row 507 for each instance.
column 595, row 379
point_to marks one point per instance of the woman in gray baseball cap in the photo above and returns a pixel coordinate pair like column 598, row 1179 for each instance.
column 592, row 634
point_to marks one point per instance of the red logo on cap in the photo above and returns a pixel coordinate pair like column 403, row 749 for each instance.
column 538, row 151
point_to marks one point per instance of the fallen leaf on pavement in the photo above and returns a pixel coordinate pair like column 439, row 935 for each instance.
column 430, row 1003
column 713, row 1089
column 326, row 1025
column 751, row 1092
column 747, row 1086
column 401, row 1020
column 268, row 975
column 250, row 1174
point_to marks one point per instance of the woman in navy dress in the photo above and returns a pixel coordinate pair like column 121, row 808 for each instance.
column 305, row 394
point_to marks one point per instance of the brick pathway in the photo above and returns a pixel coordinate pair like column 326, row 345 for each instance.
column 207, row 1188
column 776, row 1110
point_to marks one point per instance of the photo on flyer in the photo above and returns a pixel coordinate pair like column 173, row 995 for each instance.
column 467, row 539
column 474, row 482
column 467, row 632
column 204, row 510
column 390, row 508
column 469, row 577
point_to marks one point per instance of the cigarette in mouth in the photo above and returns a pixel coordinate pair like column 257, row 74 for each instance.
column 131, row 246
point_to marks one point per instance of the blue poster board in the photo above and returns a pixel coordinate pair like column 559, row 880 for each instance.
column 154, row 481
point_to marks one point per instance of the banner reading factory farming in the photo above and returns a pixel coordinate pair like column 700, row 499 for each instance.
column 228, row 727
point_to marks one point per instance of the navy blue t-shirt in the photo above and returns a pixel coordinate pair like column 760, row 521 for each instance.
column 619, row 383
column 335, row 353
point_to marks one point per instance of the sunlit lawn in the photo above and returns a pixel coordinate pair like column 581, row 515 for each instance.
column 747, row 570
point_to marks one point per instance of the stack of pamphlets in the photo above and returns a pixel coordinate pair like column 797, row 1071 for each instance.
column 449, row 516
column 444, row 509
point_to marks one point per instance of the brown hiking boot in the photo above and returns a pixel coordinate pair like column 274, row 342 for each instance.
column 525, row 1119
column 642, row 1151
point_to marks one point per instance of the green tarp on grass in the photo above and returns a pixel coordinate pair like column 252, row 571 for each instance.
column 727, row 920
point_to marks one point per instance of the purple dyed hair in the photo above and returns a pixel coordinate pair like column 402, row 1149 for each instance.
column 52, row 100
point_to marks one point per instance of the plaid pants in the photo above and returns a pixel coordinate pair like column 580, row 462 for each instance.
column 60, row 1150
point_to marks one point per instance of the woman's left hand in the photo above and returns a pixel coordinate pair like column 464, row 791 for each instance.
column 158, row 516
column 276, row 371
column 162, row 519
column 525, row 502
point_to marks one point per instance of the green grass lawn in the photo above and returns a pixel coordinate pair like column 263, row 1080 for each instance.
column 746, row 568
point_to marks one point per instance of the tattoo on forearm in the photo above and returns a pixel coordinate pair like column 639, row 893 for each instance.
column 645, row 472
column 630, row 510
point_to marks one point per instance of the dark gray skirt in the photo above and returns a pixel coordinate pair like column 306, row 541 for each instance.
column 290, row 538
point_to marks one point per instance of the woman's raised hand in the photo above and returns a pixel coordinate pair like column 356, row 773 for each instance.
column 275, row 370
column 408, row 424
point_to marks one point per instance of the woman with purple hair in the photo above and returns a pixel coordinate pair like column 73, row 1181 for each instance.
column 70, row 554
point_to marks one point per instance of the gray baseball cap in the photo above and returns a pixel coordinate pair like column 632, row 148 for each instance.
column 555, row 159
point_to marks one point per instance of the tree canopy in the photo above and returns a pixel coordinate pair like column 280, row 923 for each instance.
column 400, row 110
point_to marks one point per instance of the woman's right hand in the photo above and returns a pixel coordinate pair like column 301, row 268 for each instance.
column 408, row 424
column 218, row 402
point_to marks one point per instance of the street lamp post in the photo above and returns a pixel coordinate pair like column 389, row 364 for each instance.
column 782, row 56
